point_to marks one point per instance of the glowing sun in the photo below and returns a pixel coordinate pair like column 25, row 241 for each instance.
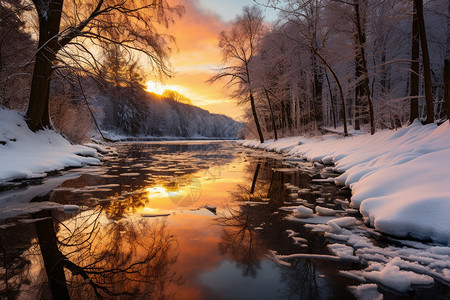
column 156, row 87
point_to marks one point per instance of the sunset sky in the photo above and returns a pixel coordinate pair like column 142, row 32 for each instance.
column 196, row 35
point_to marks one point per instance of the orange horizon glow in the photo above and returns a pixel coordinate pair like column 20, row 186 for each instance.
column 159, row 88
column 197, row 39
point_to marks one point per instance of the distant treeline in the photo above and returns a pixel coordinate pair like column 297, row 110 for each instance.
column 130, row 111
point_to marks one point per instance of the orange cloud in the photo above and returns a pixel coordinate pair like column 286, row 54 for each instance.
column 196, row 35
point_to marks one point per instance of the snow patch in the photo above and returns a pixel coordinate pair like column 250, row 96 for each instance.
column 25, row 154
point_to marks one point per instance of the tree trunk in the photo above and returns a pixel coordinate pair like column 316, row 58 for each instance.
column 361, row 45
column 426, row 62
column 414, row 73
column 333, row 109
column 255, row 117
column 49, row 12
column 359, row 90
column 317, row 91
column 358, row 95
column 447, row 86
column 271, row 115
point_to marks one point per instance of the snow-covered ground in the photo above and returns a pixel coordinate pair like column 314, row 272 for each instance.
column 399, row 179
column 25, row 154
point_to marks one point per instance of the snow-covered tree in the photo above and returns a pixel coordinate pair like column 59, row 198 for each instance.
column 239, row 46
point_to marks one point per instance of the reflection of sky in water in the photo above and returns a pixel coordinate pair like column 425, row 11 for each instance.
column 118, row 220
column 227, row 281
column 189, row 191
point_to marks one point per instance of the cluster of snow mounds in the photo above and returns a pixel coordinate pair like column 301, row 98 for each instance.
column 401, row 266
column 27, row 154
column 399, row 179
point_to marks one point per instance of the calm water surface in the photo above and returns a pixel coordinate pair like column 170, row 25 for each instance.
column 180, row 220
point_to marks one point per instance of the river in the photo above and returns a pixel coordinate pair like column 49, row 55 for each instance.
column 173, row 220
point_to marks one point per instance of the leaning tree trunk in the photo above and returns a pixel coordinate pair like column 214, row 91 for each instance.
column 426, row 62
column 49, row 13
column 341, row 93
column 255, row 117
column 414, row 73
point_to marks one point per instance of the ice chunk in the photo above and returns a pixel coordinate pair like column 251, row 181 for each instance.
column 366, row 292
column 394, row 278
column 343, row 251
column 344, row 222
column 303, row 212
column 70, row 208
column 324, row 211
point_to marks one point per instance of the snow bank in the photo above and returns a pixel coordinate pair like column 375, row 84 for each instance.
column 25, row 154
column 399, row 179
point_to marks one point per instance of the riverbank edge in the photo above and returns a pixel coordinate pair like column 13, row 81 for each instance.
column 386, row 173
column 33, row 155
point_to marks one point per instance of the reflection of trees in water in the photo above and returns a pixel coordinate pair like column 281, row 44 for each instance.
column 239, row 238
column 87, row 256
column 301, row 280
column 255, row 176
column 249, row 247
column 14, row 265
column 125, row 257
column 128, row 204
column 241, row 241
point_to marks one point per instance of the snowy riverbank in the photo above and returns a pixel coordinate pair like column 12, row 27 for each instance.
column 399, row 179
column 25, row 154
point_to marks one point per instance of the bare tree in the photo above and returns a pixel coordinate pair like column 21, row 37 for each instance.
column 129, row 24
column 362, row 74
column 15, row 51
column 303, row 24
column 238, row 49
column 425, row 61
column 414, row 73
column 272, row 117
column 447, row 86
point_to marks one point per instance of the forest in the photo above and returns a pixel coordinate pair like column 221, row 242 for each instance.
column 338, row 65
column 100, row 88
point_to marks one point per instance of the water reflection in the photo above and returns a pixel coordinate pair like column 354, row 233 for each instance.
column 118, row 245
column 256, row 226
column 86, row 257
column 108, row 249
column 14, row 264
column 241, row 242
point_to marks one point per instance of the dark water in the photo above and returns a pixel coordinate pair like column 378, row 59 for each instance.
column 188, row 220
